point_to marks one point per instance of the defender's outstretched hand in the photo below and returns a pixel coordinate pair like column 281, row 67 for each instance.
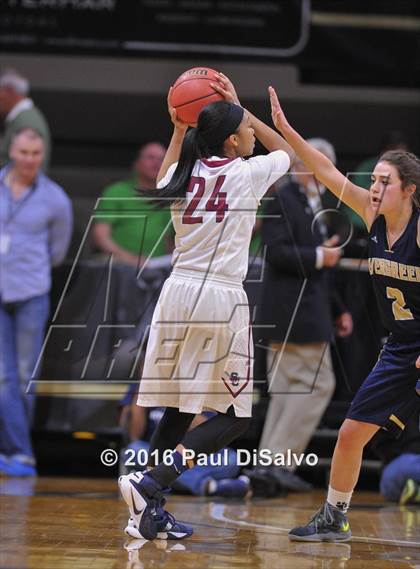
column 225, row 87
column 277, row 114
column 178, row 123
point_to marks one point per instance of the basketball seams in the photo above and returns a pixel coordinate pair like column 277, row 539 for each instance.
column 194, row 100
column 178, row 83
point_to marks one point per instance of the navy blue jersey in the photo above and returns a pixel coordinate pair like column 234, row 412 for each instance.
column 396, row 278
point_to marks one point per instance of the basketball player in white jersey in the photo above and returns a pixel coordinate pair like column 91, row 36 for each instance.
column 199, row 353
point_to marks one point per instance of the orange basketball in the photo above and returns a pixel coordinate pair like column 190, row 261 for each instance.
column 192, row 91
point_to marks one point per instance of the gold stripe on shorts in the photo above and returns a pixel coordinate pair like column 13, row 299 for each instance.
column 397, row 421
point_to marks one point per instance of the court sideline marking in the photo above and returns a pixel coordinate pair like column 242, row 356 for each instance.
column 217, row 512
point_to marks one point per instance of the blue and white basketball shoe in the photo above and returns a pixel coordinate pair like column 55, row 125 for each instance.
column 148, row 517
column 140, row 492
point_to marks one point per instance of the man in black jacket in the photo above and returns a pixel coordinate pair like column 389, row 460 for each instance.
column 299, row 313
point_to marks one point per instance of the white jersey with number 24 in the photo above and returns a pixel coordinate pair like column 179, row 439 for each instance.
column 213, row 225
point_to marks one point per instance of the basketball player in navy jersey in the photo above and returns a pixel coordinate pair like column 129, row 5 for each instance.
column 390, row 393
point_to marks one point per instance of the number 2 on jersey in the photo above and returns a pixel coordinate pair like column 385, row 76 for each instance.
column 216, row 202
column 398, row 306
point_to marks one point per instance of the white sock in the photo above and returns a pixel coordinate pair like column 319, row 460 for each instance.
column 340, row 500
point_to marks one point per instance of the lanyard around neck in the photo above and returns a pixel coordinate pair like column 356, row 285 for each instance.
column 13, row 211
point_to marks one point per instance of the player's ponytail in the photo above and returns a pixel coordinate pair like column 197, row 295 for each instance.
column 190, row 152
column 216, row 123
column 408, row 168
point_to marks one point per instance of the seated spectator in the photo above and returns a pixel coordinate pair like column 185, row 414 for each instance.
column 127, row 225
column 298, row 313
column 400, row 478
column 20, row 112
column 212, row 479
column 35, row 232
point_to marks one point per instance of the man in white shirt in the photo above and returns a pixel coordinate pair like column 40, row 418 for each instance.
column 20, row 112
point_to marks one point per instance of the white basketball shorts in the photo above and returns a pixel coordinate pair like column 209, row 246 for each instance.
column 200, row 351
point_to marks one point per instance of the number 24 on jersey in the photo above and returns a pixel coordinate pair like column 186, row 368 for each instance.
column 216, row 202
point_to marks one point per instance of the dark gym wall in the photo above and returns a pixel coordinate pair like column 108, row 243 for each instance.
column 100, row 109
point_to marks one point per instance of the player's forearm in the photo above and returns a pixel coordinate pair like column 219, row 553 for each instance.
column 107, row 245
column 269, row 138
column 173, row 153
column 316, row 162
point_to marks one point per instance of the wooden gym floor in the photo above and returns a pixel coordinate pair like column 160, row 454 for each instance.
column 58, row 523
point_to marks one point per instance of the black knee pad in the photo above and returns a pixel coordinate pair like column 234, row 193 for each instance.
column 227, row 429
column 216, row 433
column 243, row 425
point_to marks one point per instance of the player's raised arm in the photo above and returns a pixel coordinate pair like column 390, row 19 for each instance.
column 174, row 149
column 354, row 196
column 269, row 138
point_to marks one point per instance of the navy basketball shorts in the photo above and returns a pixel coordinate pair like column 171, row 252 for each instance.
column 388, row 396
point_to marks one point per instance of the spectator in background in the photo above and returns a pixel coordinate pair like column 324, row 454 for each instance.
column 400, row 478
column 35, row 232
column 300, row 375
column 20, row 112
column 127, row 225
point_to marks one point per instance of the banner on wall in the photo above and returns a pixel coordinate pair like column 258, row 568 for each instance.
column 268, row 28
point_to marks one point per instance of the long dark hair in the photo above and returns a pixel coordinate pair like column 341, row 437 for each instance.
column 205, row 140
column 408, row 167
